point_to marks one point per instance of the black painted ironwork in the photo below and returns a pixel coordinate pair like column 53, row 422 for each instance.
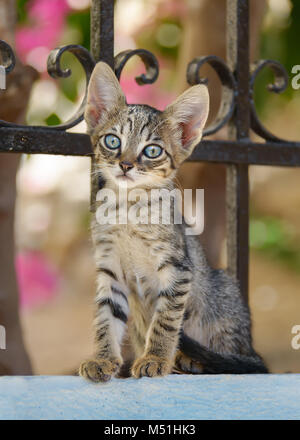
column 237, row 110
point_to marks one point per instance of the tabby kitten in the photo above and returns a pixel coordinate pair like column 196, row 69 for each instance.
column 154, row 286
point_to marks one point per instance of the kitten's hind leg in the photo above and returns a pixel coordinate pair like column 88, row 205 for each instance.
column 184, row 364
column 110, row 322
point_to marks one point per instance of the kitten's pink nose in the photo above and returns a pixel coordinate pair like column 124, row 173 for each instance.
column 125, row 166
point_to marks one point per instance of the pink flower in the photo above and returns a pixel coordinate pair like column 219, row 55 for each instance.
column 38, row 280
column 172, row 8
column 47, row 19
column 151, row 94
column 148, row 94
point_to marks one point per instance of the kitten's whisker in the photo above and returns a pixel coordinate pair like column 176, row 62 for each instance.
column 177, row 182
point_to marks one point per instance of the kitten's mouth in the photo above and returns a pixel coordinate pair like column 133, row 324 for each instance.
column 124, row 177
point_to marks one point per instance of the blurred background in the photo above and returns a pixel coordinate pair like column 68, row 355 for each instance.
column 54, row 264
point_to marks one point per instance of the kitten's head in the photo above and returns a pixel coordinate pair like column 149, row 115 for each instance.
column 137, row 145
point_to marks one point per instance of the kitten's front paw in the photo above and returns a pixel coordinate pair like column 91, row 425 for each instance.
column 150, row 366
column 100, row 370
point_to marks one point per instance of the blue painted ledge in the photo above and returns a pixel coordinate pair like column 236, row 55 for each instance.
column 173, row 397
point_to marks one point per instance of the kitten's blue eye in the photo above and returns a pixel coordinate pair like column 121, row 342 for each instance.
column 152, row 151
column 112, row 142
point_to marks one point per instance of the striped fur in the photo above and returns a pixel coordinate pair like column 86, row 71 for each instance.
column 155, row 290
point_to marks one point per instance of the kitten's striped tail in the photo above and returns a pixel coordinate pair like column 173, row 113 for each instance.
column 216, row 363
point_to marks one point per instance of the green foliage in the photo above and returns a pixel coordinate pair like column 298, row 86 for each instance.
column 53, row 119
column 279, row 42
column 22, row 10
column 69, row 85
column 81, row 22
column 158, row 39
column 290, row 37
column 275, row 239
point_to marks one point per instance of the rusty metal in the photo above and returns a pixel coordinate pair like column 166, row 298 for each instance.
column 279, row 86
column 102, row 49
column 44, row 140
column 102, row 31
column 237, row 110
column 41, row 140
column 55, row 71
column 7, row 56
column 149, row 60
column 229, row 88
column 237, row 183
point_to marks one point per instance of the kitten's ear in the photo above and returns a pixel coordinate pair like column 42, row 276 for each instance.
column 104, row 94
column 187, row 116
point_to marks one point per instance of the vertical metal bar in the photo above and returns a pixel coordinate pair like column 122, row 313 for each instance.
column 102, row 31
column 102, row 49
column 237, row 185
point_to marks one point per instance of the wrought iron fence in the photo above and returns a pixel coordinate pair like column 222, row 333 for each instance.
column 237, row 109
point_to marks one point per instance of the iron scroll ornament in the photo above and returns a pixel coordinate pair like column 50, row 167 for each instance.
column 55, row 71
column 152, row 70
column 149, row 60
column 229, row 86
column 8, row 57
column 280, row 84
column 228, row 93
column 86, row 60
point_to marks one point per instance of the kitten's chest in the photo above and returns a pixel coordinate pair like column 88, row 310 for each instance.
column 135, row 249
column 136, row 253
